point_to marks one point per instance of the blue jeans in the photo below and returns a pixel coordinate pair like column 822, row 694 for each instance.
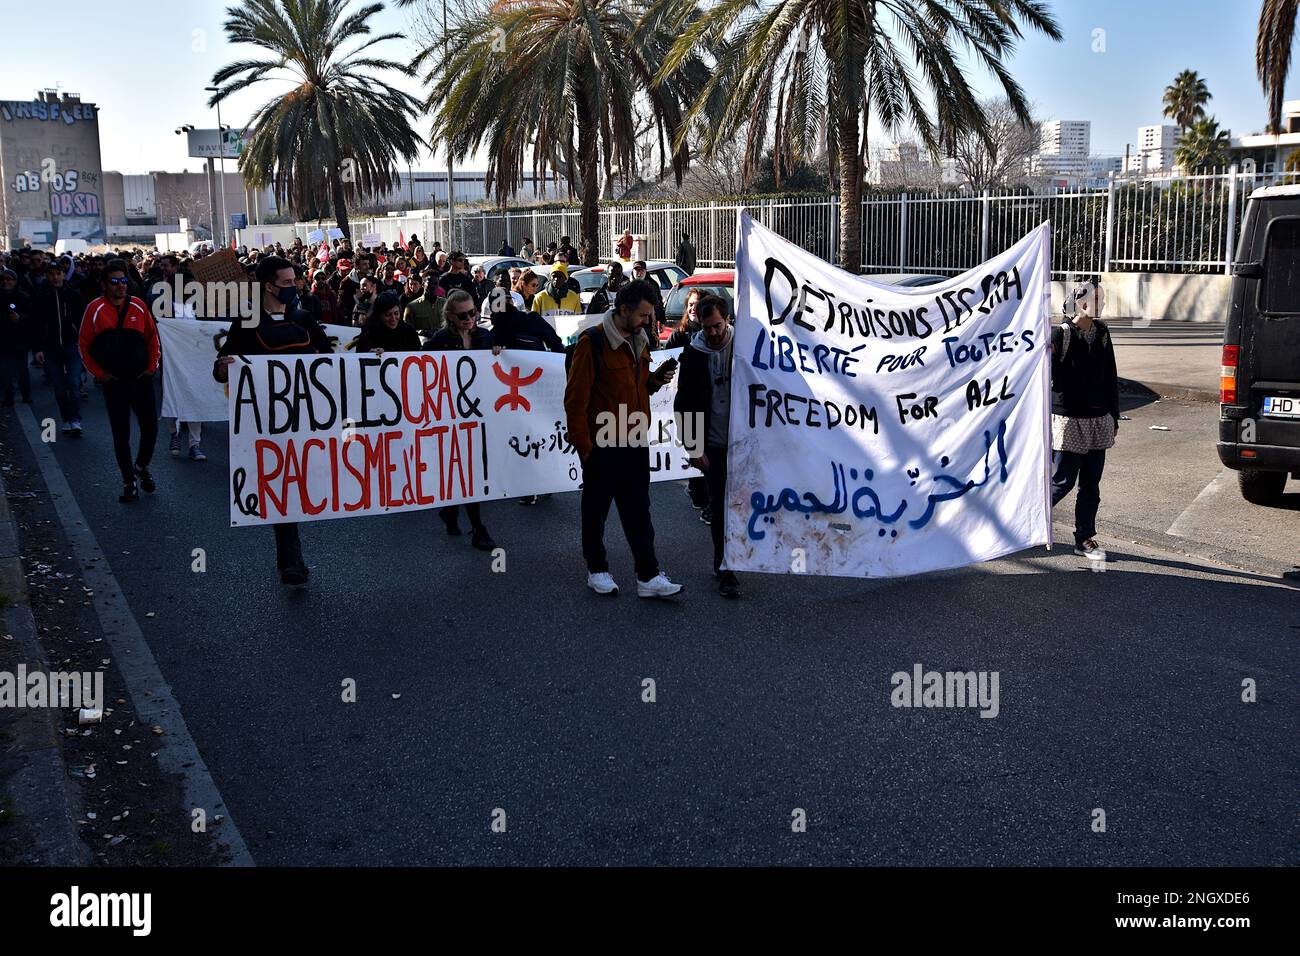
column 64, row 365
column 1069, row 467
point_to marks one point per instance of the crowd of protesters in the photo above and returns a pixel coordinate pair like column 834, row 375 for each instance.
column 66, row 314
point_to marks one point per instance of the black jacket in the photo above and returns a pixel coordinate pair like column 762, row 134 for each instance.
column 695, row 392
column 514, row 329
column 376, row 335
column 18, row 328
column 444, row 340
column 680, row 339
column 59, row 312
column 296, row 334
column 1084, row 381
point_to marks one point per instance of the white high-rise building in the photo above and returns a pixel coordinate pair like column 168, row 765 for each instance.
column 1063, row 148
column 1155, row 149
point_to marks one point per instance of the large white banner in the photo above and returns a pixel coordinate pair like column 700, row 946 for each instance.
column 189, row 347
column 330, row 436
column 879, row 430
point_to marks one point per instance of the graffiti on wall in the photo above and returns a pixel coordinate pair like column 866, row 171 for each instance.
column 70, row 113
column 68, row 193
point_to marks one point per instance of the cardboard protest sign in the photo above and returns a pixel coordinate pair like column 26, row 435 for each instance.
column 331, row 436
column 877, row 430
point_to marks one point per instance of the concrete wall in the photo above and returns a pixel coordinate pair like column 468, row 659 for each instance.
column 1159, row 295
column 50, row 171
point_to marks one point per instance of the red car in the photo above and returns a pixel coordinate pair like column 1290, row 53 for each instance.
column 719, row 282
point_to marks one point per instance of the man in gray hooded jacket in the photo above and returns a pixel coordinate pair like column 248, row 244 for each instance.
column 703, row 408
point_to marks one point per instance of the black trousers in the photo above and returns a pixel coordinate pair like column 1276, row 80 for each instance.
column 620, row 476
column 716, row 478
column 449, row 515
column 121, row 398
column 288, row 547
column 1069, row 467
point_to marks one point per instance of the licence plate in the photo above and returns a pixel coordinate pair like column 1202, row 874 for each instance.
column 1281, row 406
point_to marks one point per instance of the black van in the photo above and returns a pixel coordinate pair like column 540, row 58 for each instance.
column 1259, row 385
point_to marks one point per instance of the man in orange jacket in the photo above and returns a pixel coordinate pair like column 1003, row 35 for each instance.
column 119, row 346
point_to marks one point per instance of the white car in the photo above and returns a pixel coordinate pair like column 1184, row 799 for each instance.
column 666, row 274
column 494, row 264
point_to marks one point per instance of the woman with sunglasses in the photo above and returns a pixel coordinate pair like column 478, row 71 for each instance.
column 462, row 332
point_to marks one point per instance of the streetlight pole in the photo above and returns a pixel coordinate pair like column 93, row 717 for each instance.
column 212, row 195
column 221, row 145
column 451, row 202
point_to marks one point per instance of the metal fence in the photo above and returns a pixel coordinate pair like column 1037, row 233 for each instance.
column 1165, row 223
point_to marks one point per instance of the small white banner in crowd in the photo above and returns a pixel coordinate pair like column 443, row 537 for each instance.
column 189, row 347
column 370, row 239
column 877, row 430
column 332, row 436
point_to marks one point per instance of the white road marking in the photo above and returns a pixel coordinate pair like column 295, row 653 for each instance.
column 1213, row 490
column 149, row 691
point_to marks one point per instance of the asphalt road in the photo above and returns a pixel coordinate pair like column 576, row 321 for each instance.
column 522, row 691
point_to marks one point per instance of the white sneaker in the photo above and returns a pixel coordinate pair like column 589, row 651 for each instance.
column 657, row 587
column 602, row 583
column 1091, row 550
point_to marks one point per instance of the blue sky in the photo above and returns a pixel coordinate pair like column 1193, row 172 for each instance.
column 145, row 64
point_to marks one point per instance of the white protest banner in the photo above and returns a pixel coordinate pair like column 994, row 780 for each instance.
column 370, row 239
column 331, row 436
column 878, row 430
column 316, row 235
column 189, row 347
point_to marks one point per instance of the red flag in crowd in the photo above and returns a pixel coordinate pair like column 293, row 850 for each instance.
column 401, row 240
column 324, row 254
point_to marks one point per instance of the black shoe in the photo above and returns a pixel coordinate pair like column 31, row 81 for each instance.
column 453, row 527
column 294, row 576
column 129, row 493
column 482, row 540
column 528, row 500
column 147, row 483
column 706, row 515
column 728, row 586
column 691, row 495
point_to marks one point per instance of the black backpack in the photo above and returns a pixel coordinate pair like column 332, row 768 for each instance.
column 119, row 351
column 596, row 336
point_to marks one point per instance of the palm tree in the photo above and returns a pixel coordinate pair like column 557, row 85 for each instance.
column 1273, row 41
column 1185, row 99
column 813, row 72
column 340, row 132
column 1203, row 146
column 559, row 83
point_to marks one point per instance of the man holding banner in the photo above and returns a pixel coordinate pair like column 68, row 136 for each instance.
column 282, row 329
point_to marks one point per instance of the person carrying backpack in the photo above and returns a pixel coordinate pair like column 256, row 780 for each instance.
column 120, row 348
column 608, row 390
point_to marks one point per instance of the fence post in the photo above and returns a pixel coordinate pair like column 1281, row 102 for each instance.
column 1230, row 228
column 713, row 229
column 902, row 231
column 1110, row 224
column 834, row 209
column 985, row 222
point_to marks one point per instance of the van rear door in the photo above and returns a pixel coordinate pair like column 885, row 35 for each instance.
column 1270, row 334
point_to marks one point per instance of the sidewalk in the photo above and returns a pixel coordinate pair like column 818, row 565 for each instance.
column 1172, row 359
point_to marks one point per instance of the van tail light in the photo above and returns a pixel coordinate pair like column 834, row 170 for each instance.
column 1228, row 375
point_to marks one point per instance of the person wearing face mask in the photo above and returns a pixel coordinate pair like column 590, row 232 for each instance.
column 120, row 348
column 365, row 298
column 1085, row 412
column 610, row 381
column 462, row 332
column 281, row 329
column 703, row 411
column 384, row 330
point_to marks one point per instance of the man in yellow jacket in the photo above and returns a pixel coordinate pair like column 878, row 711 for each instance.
column 557, row 296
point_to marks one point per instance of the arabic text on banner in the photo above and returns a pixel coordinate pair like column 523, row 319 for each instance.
column 879, row 430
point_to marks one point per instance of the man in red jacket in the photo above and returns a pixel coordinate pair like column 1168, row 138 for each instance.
column 119, row 345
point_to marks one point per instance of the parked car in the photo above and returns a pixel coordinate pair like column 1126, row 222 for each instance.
column 717, row 282
column 494, row 265
column 1259, row 383
column 666, row 274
